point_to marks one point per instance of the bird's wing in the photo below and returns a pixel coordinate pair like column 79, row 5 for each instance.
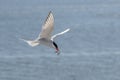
column 47, row 27
column 56, row 35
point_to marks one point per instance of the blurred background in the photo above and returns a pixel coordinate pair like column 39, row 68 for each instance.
column 90, row 51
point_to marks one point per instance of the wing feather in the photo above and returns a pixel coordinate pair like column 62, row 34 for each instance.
column 47, row 27
column 56, row 35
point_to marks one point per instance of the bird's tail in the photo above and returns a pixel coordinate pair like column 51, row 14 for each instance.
column 31, row 43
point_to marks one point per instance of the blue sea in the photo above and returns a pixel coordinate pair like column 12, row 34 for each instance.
column 89, row 51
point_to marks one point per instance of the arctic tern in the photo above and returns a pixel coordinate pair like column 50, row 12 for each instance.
column 45, row 37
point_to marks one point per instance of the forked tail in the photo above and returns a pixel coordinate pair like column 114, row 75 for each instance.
column 31, row 43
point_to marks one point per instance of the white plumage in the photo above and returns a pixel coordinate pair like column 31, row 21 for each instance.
column 45, row 37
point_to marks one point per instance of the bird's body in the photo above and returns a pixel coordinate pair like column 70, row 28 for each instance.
column 45, row 37
column 46, row 42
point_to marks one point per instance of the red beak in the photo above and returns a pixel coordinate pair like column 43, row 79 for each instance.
column 57, row 51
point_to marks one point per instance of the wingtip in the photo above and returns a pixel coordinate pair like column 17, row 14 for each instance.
column 67, row 29
column 50, row 12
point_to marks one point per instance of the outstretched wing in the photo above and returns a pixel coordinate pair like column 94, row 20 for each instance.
column 47, row 27
column 56, row 35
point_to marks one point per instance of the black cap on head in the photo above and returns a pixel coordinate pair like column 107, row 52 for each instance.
column 55, row 45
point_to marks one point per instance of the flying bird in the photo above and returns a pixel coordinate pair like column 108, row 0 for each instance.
column 45, row 37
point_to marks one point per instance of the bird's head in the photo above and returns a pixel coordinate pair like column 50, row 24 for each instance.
column 56, row 47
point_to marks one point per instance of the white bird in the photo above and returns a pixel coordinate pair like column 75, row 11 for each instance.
column 45, row 37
